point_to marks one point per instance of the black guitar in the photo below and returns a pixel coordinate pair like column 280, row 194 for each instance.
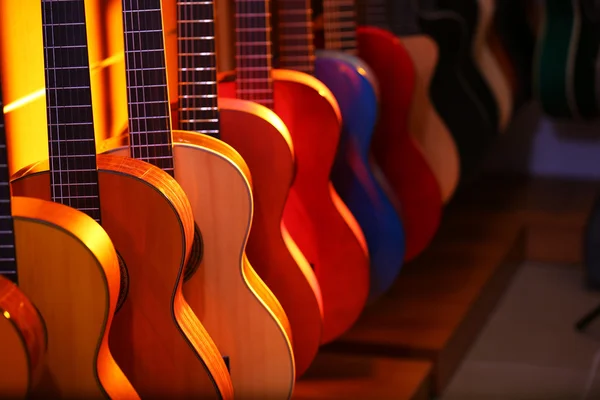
column 452, row 93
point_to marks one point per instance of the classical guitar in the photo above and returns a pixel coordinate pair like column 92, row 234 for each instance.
column 239, row 312
column 424, row 123
column 23, row 337
column 489, row 65
column 155, row 338
column 315, row 216
column 273, row 253
column 468, row 12
column 394, row 148
column 70, row 249
column 565, row 55
column 451, row 92
column 351, row 175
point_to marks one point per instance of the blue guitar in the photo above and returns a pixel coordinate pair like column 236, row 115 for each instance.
column 354, row 176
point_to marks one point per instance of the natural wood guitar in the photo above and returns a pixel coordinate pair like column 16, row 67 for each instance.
column 489, row 65
column 155, row 337
column 354, row 176
column 425, row 124
column 53, row 329
column 395, row 149
column 244, row 319
column 315, row 216
column 23, row 337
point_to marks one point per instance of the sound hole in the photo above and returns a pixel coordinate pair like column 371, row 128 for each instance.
column 195, row 255
column 124, row 282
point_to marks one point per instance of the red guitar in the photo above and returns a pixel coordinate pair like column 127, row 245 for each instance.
column 395, row 150
column 319, row 222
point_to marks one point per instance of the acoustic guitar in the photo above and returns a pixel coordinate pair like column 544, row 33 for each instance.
column 240, row 313
column 66, row 352
column 352, row 174
column 468, row 12
column 394, row 148
column 23, row 337
column 317, row 219
column 271, row 250
column 155, row 338
column 564, row 66
column 451, row 92
column 424, row 123
column 489, row 65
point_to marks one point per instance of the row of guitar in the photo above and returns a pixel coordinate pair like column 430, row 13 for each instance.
column 215, row 260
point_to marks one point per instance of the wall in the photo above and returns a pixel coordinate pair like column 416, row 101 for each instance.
column 541, row 146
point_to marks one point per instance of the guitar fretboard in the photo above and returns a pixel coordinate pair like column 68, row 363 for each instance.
column 253, row 52
column 8, row 266
column 296, row 48
column 147, row 92
column 339, row 17
column 71, row 141
column 404, row 17
column 376, row 13
column 198, row 103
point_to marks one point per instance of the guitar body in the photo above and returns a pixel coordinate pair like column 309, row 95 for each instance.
column 262, row 140
column 489, row 65
column 424, row 123
column 468, row 12
column 155, row 338
column 314, row 213
column 22, row 341
column 394, row 149
column 73, row 278
column 451, row 94
column 351, row 174
column 554, row 64
column 225, row 292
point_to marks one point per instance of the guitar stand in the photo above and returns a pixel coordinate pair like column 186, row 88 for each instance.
column 587, row 319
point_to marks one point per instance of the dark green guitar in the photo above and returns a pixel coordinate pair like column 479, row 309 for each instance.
column 564, row 70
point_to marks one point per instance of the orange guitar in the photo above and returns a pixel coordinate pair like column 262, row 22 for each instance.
column 326, row 232
column 155, row 338
column 240, row 313
column 53, row 329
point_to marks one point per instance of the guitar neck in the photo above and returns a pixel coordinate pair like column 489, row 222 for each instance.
column 404, row 16
column 339, row 17
column 8, row 266
column 71, row 141
column 198, row 102
column 253, row 52
column 376, row 13
column 296, row 48
column 147, row 92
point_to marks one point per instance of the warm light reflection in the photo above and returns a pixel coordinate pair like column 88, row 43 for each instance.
column 6, row 314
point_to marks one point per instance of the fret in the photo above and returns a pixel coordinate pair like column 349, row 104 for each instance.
column 404, row 18
column 253, row 51
column 296, row 49
column 71, row 140
column 340, row 16
column 147, row 92
column 8, row 266
column 197, row 72
column 376, row 13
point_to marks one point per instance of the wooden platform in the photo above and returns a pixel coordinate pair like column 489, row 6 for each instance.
column 347, row 377
column 442, row 300
column 410, row 343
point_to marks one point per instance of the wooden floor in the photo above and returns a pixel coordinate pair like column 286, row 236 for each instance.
column 441, row 300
